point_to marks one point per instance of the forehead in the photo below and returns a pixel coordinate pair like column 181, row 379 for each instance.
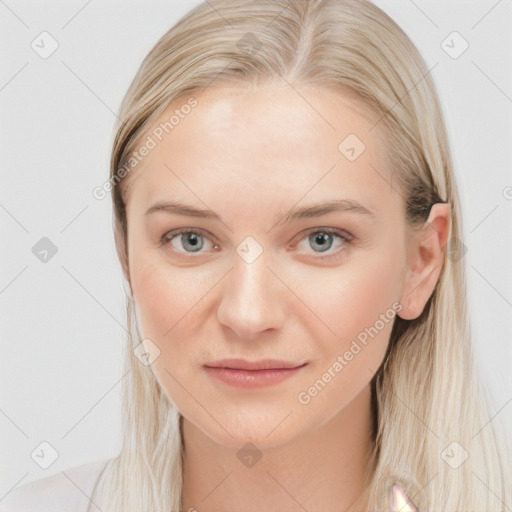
column 275, row 141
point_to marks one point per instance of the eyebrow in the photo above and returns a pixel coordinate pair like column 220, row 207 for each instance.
column 315, row 210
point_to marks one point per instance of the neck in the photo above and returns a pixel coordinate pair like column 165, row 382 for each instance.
column 326, row 469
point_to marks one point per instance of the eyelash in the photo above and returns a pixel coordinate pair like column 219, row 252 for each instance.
column 344, row 236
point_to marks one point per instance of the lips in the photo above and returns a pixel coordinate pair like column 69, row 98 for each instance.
column 240, row 373
column 264, row 364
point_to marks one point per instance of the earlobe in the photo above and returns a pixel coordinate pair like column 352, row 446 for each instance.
column 426, row 259
column 408, row 311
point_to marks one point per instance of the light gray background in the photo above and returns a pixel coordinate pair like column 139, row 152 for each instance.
column 62, row 322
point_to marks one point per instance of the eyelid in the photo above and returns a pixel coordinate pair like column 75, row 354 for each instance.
column 336, row 231
column 179, row 231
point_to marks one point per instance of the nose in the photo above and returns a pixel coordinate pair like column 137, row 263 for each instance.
column 252, row 299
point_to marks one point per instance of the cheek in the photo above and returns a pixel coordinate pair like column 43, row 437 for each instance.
column 358, row 302
column 166, row 298
column 168, row 303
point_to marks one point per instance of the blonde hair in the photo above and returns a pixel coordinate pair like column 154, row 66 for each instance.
column 426, row 394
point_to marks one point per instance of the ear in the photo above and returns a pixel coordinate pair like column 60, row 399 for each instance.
column 426, row 256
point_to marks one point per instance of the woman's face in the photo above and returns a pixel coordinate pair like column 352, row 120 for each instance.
column 256, row 279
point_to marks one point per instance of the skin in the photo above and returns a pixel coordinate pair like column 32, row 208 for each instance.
column 250, row 154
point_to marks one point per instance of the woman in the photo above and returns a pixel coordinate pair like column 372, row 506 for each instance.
column 264, row 374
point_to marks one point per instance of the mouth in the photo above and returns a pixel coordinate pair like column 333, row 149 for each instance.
column 264, row 364
column 250, row 375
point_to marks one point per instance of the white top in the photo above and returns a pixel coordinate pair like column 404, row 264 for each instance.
column 56, row 493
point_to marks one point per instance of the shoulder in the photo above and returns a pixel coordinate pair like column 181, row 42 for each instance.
column 66, row 491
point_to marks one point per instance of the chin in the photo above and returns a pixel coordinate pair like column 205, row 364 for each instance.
column 263, row 433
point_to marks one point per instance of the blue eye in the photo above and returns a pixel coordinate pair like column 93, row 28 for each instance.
column 323, row 239
column 193, row 240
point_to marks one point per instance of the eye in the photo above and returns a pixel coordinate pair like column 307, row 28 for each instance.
column 190, row 240
column 323, row 239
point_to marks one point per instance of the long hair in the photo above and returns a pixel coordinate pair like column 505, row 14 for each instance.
column 434, row 430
